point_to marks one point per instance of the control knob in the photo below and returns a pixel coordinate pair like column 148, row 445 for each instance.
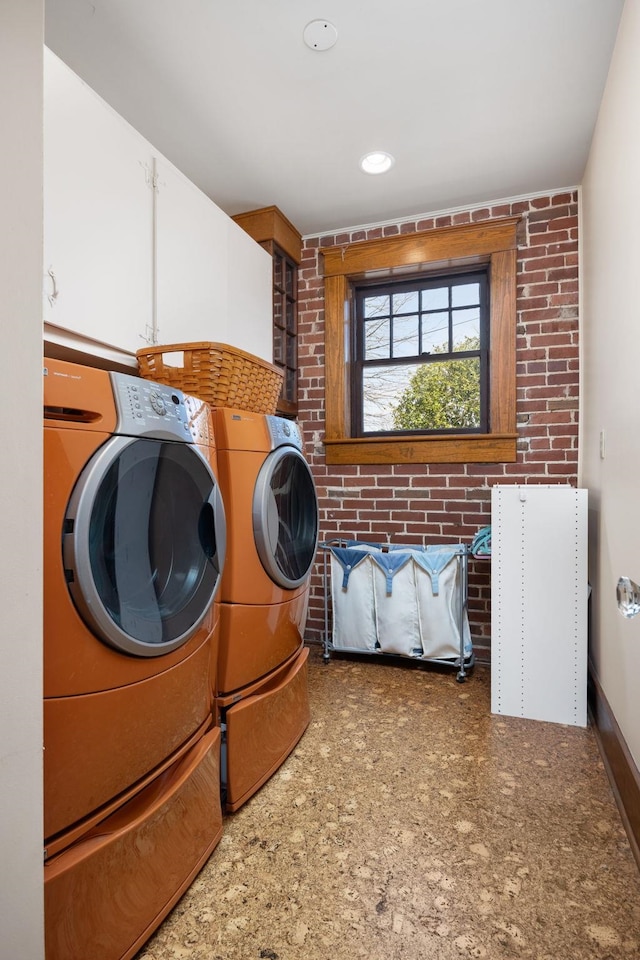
column 157, row 403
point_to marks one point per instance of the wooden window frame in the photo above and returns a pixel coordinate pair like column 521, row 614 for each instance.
column 491, row 242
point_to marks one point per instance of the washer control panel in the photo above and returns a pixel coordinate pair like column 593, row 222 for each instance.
column 147, row 409
column 284, row 432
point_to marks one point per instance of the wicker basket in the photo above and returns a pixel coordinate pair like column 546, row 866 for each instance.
column 221, row 375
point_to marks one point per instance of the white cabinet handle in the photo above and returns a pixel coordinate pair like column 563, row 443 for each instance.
column 53, row 296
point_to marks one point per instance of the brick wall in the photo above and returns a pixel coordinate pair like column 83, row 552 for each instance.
column 423, row 503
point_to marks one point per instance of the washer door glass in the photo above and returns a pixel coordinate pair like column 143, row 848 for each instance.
column 143, row 544
column 285, row 517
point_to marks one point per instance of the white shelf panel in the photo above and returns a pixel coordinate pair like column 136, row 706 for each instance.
column 539, row 598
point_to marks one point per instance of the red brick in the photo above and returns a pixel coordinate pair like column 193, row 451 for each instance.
column 561, row 198
column 539, row 260
column 538, row 203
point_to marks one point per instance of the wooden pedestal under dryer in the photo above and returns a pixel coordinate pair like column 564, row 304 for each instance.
column 134, row 543
column 272, row 529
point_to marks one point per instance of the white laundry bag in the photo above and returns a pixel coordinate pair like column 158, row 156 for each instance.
column 438, row 596
column 396, row 606
column 352, row 599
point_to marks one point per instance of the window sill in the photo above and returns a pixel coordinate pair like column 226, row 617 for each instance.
column 469, row 448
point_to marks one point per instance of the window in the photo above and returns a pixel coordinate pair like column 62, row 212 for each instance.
column 440, row 259
column 285, row 333
column 421, row 355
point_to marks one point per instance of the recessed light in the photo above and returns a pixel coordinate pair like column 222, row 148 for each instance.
column 376, row 162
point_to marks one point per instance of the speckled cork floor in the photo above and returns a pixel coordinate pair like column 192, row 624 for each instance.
column 410, row 823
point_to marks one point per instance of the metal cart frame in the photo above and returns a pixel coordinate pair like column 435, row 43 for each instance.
column 461, row 663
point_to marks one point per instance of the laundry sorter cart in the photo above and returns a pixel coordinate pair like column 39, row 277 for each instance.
column 398, row 600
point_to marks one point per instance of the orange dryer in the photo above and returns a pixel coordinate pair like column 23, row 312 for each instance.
column 272, row 525
column 134, row 545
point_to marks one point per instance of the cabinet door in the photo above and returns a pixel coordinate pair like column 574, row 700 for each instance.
column 98, row 216
column 191, row 261
column 213, row 280
column 250, row 294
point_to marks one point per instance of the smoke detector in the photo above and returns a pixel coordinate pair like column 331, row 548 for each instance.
column 320, row 35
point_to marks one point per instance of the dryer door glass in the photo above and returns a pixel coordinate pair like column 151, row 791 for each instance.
column 285, row 517
column 144, row 543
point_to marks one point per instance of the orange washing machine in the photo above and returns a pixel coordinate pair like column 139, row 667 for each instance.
column 272, row 516
column 134, row 545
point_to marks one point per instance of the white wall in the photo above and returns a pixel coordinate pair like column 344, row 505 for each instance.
column 611, row 372
column 21, row 38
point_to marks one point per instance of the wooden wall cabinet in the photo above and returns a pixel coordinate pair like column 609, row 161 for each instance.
column 279, row 237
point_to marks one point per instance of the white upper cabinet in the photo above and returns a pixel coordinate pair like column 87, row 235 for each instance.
column 250, row 294
column 212, row 279
column 98, row 216
column 191, row 259
column 135, row 253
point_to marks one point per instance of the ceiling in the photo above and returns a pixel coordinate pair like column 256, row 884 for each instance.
column 477, row 100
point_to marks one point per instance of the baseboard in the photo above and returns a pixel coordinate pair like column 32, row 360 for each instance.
column 619, row 764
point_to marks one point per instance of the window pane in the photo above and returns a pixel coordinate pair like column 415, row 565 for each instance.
column 291, row 316
column 376, row 306
column 435, row 333
column 442, row 395
column 432, row 396
column 278, row 317
column 465, row 294
column 376, row 339
column 277, row 271
column 436, row 298
column 407, row 302
column 291, row 352
column 278, row 346
column 382, row 388
column 405, row 337
column 289, row 272
column 466, row 329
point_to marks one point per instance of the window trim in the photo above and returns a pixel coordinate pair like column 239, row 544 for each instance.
column 491, row 242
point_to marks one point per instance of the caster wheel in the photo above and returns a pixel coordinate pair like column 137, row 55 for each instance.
column 461, row 677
